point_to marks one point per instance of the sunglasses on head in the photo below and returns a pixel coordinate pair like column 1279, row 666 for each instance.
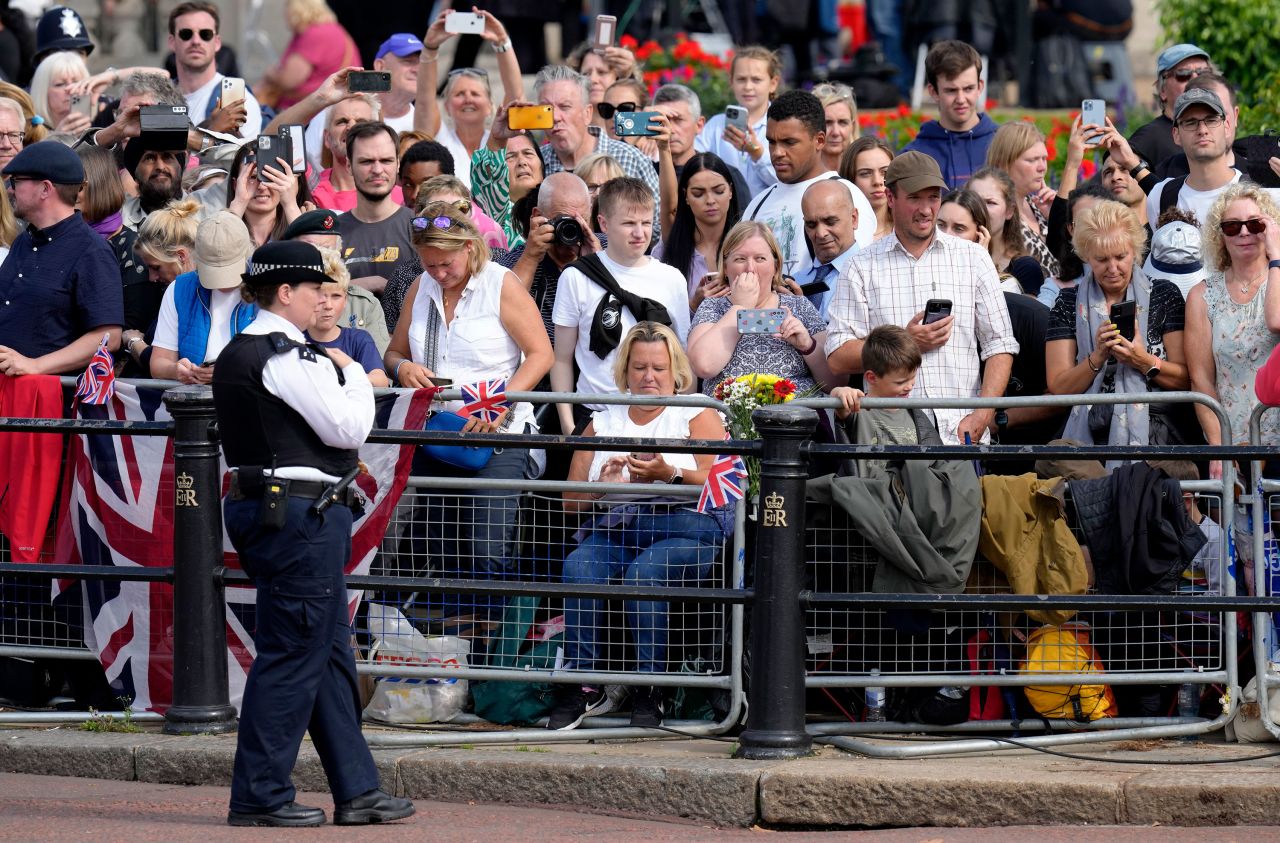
column 1232, row 227
column 441, row 222
column 1187, row 74
column 478, row 72
column 607, row 110
column 188, row 34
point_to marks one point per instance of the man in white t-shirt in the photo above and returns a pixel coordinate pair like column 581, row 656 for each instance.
column 194, row 39
column 796, row 132
column 1200, row 128
column 626, row 218
column 399, row 56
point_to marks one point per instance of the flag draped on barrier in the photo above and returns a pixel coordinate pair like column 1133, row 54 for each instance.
column 117, row 509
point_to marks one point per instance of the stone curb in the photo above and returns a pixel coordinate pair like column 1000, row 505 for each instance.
column 698, row 780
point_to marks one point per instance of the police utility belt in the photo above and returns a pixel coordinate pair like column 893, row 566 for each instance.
column 253, row 483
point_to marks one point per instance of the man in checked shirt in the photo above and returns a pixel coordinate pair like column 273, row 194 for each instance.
column 966, row 353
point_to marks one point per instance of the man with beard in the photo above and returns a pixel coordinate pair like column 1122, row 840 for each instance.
column 1115, row 178
column 60, row 286
column 195, row 41
column 890, row 281
column 158, row 174
column 336, row 189
column 376, row 231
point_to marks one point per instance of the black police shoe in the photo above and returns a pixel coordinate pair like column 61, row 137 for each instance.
column 288, row 814
column 646, row 707
column 376, row 806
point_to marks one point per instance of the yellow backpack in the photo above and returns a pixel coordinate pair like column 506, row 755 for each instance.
column 1066, row 649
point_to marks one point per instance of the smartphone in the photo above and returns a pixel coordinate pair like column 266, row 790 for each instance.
column 633, row 124
column 441, row 381
column 644, row 457
column 935, row 310
column 271, row 147
column 1124, row 315
column 464, row 23
column 813, row 288
column 765, row 320
column 232, row 91
column 297, row 135
column 1093, row 112
column 606, row 30
column 84, row 104
column 736, row 116
column 529, row 116
column 369, row 81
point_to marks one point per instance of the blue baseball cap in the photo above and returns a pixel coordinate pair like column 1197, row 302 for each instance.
column 1177, row 54
column 402, row 44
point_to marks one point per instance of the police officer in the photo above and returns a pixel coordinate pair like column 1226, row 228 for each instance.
column 291, row 417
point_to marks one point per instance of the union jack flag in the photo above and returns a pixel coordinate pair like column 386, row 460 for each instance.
column 118, row 498
column 724, row 483
column 98, row 383
column 485, row 400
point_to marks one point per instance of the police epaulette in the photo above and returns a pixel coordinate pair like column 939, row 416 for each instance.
column 281, row 343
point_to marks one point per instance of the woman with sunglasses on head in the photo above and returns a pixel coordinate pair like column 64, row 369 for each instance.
column 470, row 320
column 1232, row 314
column 468, row 100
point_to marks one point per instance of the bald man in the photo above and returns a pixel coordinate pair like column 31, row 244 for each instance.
column 830, row 223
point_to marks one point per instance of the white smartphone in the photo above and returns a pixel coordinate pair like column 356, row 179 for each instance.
column 464, row 23
column 297, row 145
column 736, row 116
column 85, row 104
column 606, row 29
column 232, row 90
column 1093, row 113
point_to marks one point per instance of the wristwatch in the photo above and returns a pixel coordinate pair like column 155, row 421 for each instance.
column 677, row 477
column 1139, row 167
column 503, row 46
column 1153, row 373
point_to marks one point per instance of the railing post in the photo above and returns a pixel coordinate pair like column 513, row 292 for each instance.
column 775, row 718
column 201, row 699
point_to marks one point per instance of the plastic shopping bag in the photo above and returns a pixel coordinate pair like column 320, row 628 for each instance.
column 399, row 699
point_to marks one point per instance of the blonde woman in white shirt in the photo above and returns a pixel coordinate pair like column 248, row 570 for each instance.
column 469, row 319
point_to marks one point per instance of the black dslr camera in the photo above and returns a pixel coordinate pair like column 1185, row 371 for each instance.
column 567, row 231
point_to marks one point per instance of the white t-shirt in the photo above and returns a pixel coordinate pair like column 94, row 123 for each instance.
column 577, row 298
column 1197, row 202
column 221, row 305
column 778, row 206
column 461, row 158
column 198, row 105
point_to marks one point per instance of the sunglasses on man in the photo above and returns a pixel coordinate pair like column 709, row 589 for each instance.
column 1188, row 73
column 206, row 35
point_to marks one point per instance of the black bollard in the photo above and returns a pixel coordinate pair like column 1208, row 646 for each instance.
column 201, row 700
column 775, row 717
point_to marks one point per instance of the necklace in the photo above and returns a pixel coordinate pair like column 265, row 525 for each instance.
column 1245, row 286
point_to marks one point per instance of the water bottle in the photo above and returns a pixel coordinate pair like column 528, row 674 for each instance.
column 875, row 701
column 1188, row 700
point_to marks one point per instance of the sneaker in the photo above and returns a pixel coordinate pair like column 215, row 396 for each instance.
column 646, row 707
column 572, row 704
column 604, row 700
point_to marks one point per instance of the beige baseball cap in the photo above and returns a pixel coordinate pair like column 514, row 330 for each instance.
column 223, row 247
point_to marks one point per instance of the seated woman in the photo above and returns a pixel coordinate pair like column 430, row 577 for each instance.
column 1087, row 352
column 267, row 199
column 659, row 542
column 751, row 264
column 470, row 320
column 203, row 310
column 356, row 343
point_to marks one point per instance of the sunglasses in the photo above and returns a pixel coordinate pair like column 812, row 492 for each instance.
column 1232, row 227
column 1186, row 75
column 478, row 72
column 188, row 34
column 442, row 222
column 607, row 110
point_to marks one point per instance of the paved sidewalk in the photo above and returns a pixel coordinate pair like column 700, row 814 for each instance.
column 699, row 780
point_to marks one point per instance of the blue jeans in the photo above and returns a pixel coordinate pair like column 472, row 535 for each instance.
column 656, row 548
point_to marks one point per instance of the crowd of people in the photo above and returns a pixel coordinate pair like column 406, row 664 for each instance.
column 575, row 258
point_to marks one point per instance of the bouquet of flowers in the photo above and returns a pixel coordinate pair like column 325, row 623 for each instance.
column 741, row 395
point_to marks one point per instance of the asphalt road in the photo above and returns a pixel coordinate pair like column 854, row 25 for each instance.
column 53, row 809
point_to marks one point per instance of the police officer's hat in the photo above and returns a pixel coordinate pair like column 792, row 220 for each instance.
column 285, row 262
column 61, row 28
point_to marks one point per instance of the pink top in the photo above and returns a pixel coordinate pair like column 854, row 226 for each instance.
column 327, row 48
column 494, row 236
column 325, row 196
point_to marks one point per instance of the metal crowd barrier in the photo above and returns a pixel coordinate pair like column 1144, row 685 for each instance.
column 1264, row 510
column 776, row 725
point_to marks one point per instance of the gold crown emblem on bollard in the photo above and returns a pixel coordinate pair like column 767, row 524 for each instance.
column 184, row 481
column 774, row 501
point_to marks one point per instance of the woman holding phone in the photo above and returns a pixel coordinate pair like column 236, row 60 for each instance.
column 468, row 98
column 751, row 264
column 1118, row 332
column 267, row 199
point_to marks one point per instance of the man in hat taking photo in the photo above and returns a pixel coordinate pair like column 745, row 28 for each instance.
column 945, row 291
column 292, row 416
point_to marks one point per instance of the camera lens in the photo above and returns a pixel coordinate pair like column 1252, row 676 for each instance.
column 567, row 231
